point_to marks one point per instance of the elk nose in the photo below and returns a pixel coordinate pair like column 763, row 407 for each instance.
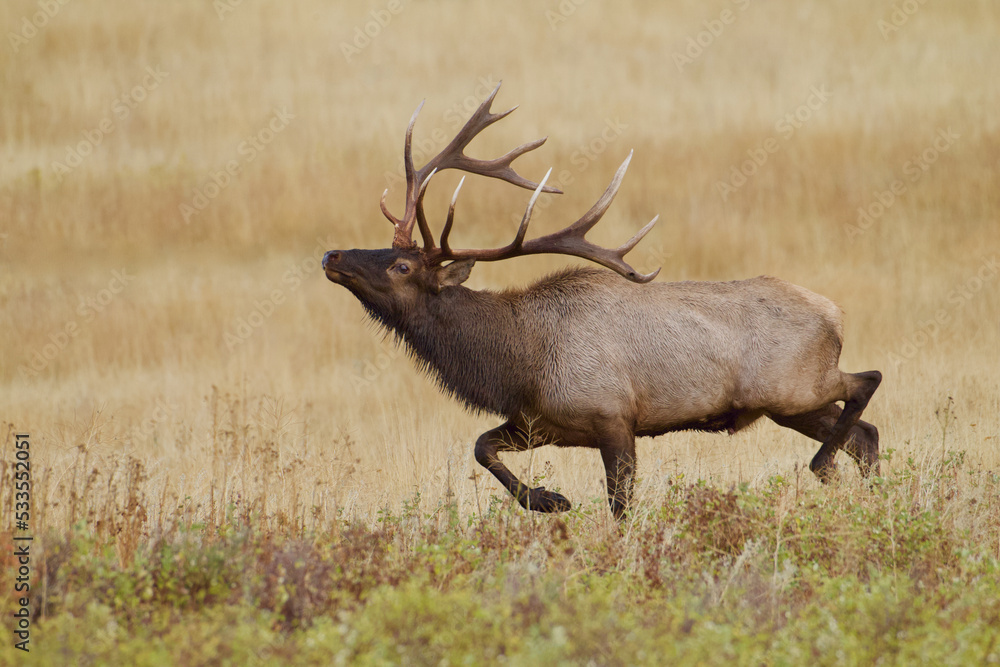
column 330, row 258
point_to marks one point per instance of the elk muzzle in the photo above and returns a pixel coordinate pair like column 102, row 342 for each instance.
column 333, row 265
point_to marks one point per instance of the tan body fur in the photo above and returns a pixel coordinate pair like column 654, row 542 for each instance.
column 716, row 356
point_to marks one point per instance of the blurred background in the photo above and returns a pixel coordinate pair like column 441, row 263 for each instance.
column 171, row 174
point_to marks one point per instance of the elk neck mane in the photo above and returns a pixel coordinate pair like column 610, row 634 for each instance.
column 473, row 342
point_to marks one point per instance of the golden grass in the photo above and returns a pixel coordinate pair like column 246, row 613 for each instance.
column 313, row 409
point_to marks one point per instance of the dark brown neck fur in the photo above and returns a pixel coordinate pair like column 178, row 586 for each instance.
column 468, row 340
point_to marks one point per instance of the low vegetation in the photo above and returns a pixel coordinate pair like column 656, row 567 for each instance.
column 905, row 571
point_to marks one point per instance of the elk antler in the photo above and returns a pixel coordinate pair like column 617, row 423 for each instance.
column 453, row 157
column 568, row 241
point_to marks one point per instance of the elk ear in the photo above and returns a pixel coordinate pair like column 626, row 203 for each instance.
column 455, row 273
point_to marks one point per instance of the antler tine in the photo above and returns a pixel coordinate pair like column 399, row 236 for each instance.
column 523, row 229
column 411, row 182
column 512, row 249
column 501, row 167
column 626, row 247
column 572, row 241
column 453, row 157
column 385, row 209
column 403, row 236
column 445, row 248
column 597, row 211
column 568, row 241
column 480, row 119
column 408, row 171
column 425, row 229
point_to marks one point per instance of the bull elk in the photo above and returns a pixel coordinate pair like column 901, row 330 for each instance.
column 594, row 358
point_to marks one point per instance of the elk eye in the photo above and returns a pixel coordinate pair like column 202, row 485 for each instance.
column 403, row 268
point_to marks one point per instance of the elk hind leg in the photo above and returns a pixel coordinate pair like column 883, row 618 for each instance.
column 859, row 388
column 508, row 437
column 862, row 440
column 862, row 446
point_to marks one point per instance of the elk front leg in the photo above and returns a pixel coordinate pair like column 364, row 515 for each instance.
column 505, row 438
column 619, row 466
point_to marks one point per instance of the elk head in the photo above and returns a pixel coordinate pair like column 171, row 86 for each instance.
column 391, row 281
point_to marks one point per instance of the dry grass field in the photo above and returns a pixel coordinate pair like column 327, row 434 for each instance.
column 171, row 173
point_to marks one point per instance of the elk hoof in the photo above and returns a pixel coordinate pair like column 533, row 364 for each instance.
column 827, row 473
column 543, row 500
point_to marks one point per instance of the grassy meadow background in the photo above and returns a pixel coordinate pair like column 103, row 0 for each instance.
column 198, row 394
